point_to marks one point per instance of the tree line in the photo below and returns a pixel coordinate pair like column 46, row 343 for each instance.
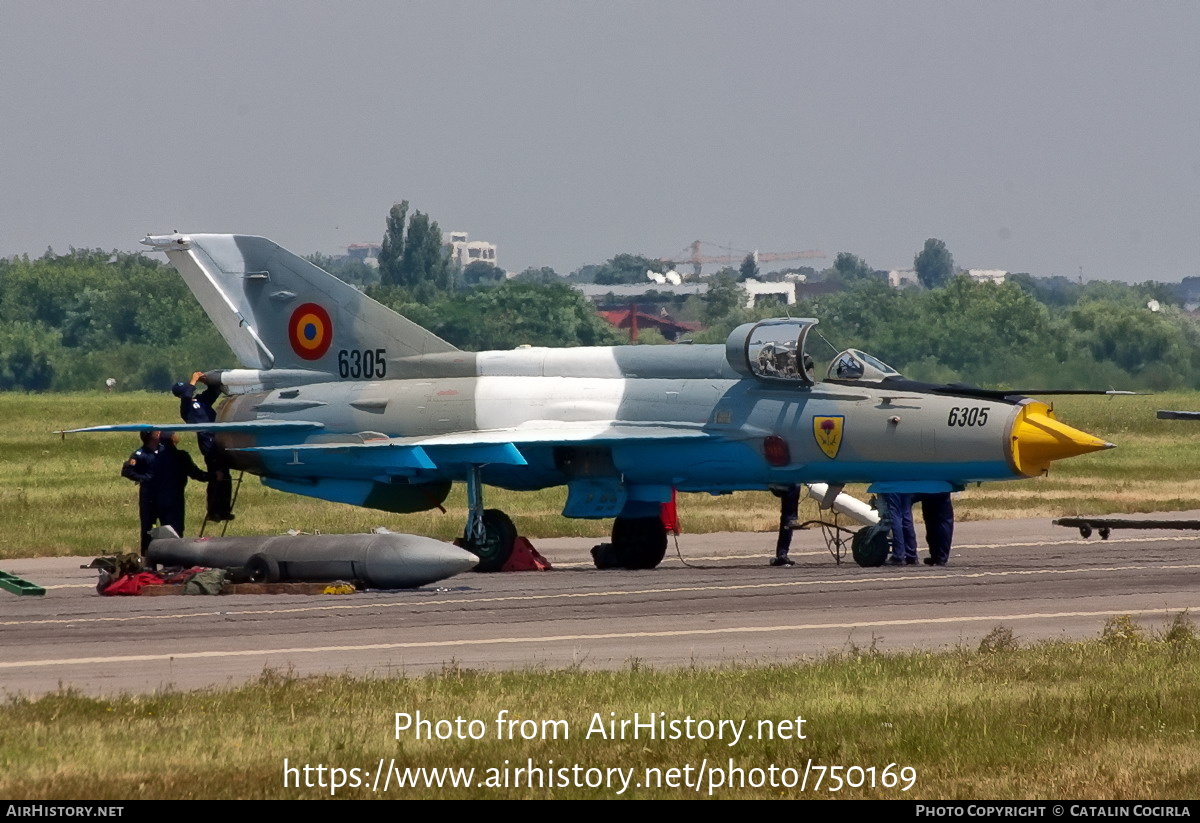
column 1024, row 333
column 70, row 321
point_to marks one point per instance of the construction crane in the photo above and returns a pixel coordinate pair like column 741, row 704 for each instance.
column 697, row 260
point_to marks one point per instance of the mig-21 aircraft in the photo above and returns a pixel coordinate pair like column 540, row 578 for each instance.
column 342, row 399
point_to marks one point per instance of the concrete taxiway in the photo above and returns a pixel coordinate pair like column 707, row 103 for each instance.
column 724, row 604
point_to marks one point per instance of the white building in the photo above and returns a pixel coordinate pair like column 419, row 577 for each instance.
column 465, row 252
column 756, row 288
column 996, row 276
column 901, row 278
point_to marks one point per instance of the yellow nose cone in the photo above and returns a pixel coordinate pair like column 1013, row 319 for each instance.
column 1038, row 439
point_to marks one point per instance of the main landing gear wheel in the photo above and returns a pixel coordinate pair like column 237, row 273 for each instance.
column 637, row 543
column 497, row 543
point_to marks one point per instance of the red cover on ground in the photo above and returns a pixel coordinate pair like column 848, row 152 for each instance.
column 132, row 583
column 525, row 558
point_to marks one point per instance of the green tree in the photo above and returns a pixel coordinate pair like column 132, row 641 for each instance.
column 850, row 267
column 749, row 269
column 544, row 275
column 482, row 273
column 393, row 245
column 517, row 313
column 1132, row 337
column 348, row 269
column 934, row 264
column 27, row 356
column 623, row 268
column 424, row 264
column 724, row 296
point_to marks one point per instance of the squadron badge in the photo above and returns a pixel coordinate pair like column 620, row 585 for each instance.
column 828, row 433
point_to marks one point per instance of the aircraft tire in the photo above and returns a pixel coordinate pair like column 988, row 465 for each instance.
column 639, row 542
column 497, row 545
column 869, row 546
column 262, row 568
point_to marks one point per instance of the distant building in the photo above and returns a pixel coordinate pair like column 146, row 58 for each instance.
column 996, row 276
column 597, row 292
column 368, row 253
column 465, row 252
column 902, row 278
column 811, row 291
column 756, row 289
column 363, row 251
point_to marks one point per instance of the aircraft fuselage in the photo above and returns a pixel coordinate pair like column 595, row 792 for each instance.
column 832, row 433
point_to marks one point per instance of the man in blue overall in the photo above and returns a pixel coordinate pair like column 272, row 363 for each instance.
column 789, row 506
column 172, row 468
column 140, row 469
column 897, row 511
column 198, row 408
column 938, row 513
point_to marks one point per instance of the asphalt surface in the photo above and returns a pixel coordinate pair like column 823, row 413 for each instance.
column 724, row 605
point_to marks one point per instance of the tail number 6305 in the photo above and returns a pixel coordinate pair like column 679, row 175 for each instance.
column 362, row 363
column 968, row 416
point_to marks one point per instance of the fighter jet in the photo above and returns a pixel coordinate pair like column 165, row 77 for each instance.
column 342, row 399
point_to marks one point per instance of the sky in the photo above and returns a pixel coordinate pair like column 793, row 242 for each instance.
column 1047, row 137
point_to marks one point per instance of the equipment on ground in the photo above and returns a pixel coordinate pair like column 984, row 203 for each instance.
column 383, row 560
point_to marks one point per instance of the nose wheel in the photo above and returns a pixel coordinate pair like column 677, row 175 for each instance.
column 495, row 544
column 490, row 533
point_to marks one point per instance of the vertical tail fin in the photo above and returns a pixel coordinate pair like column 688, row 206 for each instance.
column 277, row 310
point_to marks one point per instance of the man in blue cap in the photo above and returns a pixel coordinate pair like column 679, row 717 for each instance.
column 140, row 469
column 172, row 468
column 198, row 408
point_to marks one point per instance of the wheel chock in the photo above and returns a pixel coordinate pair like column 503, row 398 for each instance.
column 525, row 558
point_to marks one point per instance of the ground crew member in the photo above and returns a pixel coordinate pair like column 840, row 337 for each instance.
column 789, row 506
column 897, row 508
column 938, row 513
column 140, row 469
column 198, row 408
column 172, row 468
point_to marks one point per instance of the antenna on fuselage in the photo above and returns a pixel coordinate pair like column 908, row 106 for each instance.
column 836, row 350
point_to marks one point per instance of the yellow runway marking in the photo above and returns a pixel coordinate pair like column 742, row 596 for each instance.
column 732, row 587
column 491, row 641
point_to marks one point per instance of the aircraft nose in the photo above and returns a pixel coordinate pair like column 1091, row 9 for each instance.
column 1038, row 438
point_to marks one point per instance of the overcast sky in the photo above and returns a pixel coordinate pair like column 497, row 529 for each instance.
column 1029, row 136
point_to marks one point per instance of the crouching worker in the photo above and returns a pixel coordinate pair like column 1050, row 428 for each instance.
column 198, row 408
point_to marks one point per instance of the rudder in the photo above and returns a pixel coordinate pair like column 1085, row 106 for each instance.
column 277, row 310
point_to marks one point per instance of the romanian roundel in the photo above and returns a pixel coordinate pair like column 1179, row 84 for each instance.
column 310, row 331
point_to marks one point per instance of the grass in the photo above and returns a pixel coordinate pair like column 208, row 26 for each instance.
column 1115, row 718
column 66, row 497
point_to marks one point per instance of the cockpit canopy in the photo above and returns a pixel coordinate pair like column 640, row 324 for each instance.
column 772, row 350
column 853, row 364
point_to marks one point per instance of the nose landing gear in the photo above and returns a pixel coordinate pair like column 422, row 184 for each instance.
column 489, row 533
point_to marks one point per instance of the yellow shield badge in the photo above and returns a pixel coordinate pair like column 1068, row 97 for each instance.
column 828, row 433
